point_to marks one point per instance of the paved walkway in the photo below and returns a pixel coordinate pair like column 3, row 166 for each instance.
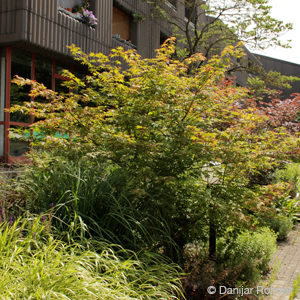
column 288, row 255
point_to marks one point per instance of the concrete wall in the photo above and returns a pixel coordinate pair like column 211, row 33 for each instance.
column 284, row 67
column 40, row 23
column 43, row 24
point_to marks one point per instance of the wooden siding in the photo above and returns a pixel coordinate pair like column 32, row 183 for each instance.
column 121, row 23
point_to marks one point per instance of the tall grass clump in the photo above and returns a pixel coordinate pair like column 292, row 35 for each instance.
column 97, row 195
column 11, row 197
column 35, row 264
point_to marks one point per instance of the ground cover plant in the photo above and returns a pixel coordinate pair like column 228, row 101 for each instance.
column 154, row 158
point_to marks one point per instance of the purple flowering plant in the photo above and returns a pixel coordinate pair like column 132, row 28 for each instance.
column 89, row 18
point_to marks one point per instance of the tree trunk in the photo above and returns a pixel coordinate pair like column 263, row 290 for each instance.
column 212, row 239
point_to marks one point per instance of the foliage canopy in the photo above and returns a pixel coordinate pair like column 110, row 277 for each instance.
column 209, row 26
column 213, row 24
column 186, row 144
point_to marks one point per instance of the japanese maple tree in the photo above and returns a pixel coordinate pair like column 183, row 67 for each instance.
column 186, row 143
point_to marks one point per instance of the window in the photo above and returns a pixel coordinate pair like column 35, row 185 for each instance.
column 20, row 65
column 163, row 37
column 14, row 61
column 18, row 143
column 68, row 4
column 58, row 78
column 2, row 102
column 59, row 87
column 43, row 71
column 121, row 24
column 1, row 141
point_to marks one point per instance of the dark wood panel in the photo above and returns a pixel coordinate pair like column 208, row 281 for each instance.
column 121, row 23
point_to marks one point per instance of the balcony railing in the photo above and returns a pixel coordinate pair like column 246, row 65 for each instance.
column 45, row 24
column 117, row 41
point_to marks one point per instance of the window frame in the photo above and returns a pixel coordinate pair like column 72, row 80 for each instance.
column 2, row 102
column 121, row 11
column 7, row 158
column 132, row 41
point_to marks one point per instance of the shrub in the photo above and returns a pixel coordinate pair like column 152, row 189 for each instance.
column 242, row 261
column 291, row 174
column 203, row 272
column 279, row 196
column 296, row 288
column 253, row 252
column 276, row 208
column 11, row 197
column 282, row 225
column 185, row 144
column 36, row 265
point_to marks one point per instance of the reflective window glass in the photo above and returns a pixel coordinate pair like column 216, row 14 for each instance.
column 2, row 87
column 43, row 71
column 18, row 142
column 2, row 102
column 21, row 66
column 59, row 88
column 60, row 67
column 1, row 140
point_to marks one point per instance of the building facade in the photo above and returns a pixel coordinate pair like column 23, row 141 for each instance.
column 34, row 36
column 283, row 67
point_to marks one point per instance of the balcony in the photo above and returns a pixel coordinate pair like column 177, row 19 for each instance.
column 48, row 25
